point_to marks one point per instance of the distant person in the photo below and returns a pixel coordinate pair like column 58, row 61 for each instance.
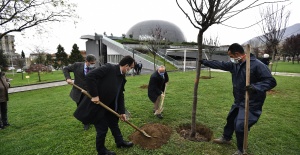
column 156, row 87
column 80, row 69
column 4, row 85
column 261, row 81
column 139, row 67
column 106, row 84
column 265, row 59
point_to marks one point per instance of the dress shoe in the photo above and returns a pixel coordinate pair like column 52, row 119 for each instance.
column 107, row 152
column 1, row 127
column 160, row 116
column 125, row 144
column 6, row 124
column 86, row 126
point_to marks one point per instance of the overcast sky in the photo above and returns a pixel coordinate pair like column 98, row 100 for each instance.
column 118, row 16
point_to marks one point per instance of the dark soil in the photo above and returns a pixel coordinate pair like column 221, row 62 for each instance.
column 272, row 91
column 144, row 86
column 160, row 134
column 203, row 134
column 205, row 77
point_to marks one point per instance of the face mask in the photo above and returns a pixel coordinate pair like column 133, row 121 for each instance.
column 92, row 66
column 161, row 74
column 233, row 60
column 237, row 60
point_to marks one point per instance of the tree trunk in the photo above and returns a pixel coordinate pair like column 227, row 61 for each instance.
column 193, row 125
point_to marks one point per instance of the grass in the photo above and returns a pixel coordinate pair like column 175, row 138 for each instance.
column 42, row 120
column 28, row 79
column 58, row 75
column 286, row 67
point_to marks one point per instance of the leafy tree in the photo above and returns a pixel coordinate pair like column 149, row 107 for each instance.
column 18, row 15
column 22, row 55
column 61, row 57
column 205, row 13
column 49, row 60
column 3, row 59
column 291, row 46
column 75, row 55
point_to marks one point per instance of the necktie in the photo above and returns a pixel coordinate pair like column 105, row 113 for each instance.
column 116, row 100
column 87, row 70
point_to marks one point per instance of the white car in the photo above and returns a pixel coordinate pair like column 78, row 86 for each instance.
column 19, row 71
column 11, row 68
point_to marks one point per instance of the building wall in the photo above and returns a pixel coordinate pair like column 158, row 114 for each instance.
column 7, row 44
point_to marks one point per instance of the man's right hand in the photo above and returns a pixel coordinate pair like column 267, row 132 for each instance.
column 69, row 81
column 95, row 99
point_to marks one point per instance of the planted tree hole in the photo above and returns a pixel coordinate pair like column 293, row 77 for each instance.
column 203, row 133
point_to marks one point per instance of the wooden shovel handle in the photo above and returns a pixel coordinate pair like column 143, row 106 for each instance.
column 106, row 107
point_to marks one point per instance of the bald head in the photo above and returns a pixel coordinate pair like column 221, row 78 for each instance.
column 161, row 69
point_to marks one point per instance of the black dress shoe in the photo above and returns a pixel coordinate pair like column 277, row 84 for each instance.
column 86, row 126
column 160, row 116
column 125, row 144
column 107, row 152
column 6, row 124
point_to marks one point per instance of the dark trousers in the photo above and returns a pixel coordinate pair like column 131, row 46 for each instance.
column 3, row 111
column 108, row 121
column 77, row 103
column 233, row 123
column 230, row 128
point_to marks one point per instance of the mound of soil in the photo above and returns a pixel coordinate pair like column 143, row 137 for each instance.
column 144, row 86
column 203, row 133
column 160, row 134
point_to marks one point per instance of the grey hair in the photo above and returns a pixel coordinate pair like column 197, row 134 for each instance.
column 90, row 58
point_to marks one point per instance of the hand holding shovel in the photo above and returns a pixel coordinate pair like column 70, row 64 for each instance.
column 112, row 111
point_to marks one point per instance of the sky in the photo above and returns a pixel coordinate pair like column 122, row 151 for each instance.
column 118, row 16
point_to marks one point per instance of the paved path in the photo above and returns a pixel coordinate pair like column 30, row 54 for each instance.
column 61, row 83
column 36, row 86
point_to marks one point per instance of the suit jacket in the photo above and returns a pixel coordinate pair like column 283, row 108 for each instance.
column 79, row 79
column 156, row 85
column 106, row 82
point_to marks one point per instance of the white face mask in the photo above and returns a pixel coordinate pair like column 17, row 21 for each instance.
column 92, row 66
column 233, row 60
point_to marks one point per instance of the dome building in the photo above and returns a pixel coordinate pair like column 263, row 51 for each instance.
column 142, row 30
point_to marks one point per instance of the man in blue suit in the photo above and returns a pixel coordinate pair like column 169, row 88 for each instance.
column 80, row 69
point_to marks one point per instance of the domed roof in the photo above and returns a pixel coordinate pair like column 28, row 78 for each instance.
column 143, row 29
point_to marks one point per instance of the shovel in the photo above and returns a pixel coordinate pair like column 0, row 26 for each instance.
column 161, row 108
column 112, row 111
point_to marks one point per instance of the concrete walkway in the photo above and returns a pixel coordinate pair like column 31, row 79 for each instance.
column 62, row 83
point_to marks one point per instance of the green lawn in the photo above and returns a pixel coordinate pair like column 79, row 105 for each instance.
column 33, row 78
column 42, row 121
column 286, row 67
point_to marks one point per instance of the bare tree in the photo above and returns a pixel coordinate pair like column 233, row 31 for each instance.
column 155, row 41
column 255, row 44
column 18, row 15
column 273, row 27
column 211, row 47
column 205, row 13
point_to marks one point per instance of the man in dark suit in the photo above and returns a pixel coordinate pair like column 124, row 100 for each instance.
column 139, row 68
column 156, row 87
column 80, row 69
column 106, row 84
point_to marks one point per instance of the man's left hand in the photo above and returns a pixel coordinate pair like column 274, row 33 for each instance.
column 123, row 117
column 250, row 89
